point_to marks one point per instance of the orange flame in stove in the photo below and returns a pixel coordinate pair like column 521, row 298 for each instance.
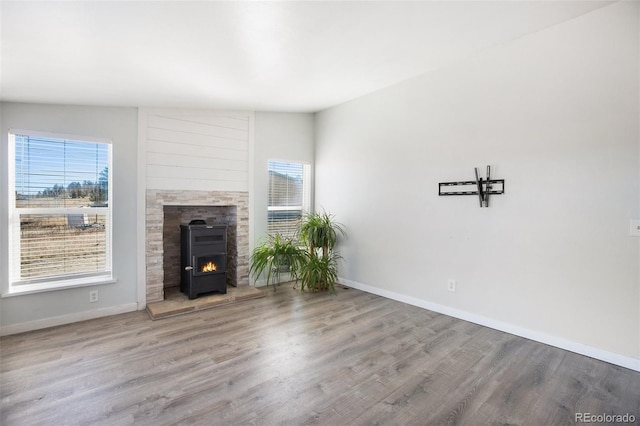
column 209, row 267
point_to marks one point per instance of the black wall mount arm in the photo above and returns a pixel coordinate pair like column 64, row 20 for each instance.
column 483, row 187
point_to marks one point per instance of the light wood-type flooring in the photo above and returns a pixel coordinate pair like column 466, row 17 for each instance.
column 294, row 358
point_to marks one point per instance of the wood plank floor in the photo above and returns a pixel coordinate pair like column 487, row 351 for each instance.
column 295, row 358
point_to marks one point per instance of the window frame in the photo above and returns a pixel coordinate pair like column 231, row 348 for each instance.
column 15, row 285
column 305, row 207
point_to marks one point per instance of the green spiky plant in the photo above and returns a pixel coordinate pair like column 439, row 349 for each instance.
column 277, row 254
column 320, row 273
column 319, row 231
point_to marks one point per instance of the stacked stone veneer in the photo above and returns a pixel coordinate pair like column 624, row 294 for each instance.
column 166, row 210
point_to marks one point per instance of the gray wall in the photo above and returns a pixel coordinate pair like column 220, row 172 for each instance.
column 278, row 136
column 556, row 114
column 119, row 125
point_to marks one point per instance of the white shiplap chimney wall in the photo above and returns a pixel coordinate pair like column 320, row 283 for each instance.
column 196, row 150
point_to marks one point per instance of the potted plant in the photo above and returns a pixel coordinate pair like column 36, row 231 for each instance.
column 320, row 273
column 319, row 231
column 277, row 254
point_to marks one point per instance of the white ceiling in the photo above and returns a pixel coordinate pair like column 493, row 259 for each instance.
column 270, row 56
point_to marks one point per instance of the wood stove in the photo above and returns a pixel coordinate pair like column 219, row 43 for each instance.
column 203, row 258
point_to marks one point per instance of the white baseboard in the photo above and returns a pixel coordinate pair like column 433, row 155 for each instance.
column 579, row 348
column 67, row 319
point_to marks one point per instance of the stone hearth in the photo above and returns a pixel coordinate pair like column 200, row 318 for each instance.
column 165, row 210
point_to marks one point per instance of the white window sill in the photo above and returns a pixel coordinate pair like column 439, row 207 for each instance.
column 21, row 289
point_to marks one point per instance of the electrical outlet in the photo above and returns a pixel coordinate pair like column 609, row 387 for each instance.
column 634, row 228
column 452, row 285
column 93, row 296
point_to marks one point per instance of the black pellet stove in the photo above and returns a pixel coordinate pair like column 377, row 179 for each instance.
column 203, row 258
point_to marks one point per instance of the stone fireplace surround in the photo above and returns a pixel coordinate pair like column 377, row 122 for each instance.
column 166, row 209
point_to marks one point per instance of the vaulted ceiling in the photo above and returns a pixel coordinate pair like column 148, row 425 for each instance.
column 276, row 56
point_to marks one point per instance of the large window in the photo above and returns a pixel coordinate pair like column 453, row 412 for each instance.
column 289, row 196
column 59, row 211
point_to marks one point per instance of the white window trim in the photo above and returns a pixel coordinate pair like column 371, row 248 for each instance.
column 14, row 287
column 22, row 289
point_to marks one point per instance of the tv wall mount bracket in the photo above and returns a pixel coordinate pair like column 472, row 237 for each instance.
column 483, row 187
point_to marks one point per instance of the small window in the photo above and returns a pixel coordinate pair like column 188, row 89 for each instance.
column 59, row 211
column 289, row 196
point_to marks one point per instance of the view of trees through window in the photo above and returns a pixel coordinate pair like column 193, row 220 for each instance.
column 96, row 192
